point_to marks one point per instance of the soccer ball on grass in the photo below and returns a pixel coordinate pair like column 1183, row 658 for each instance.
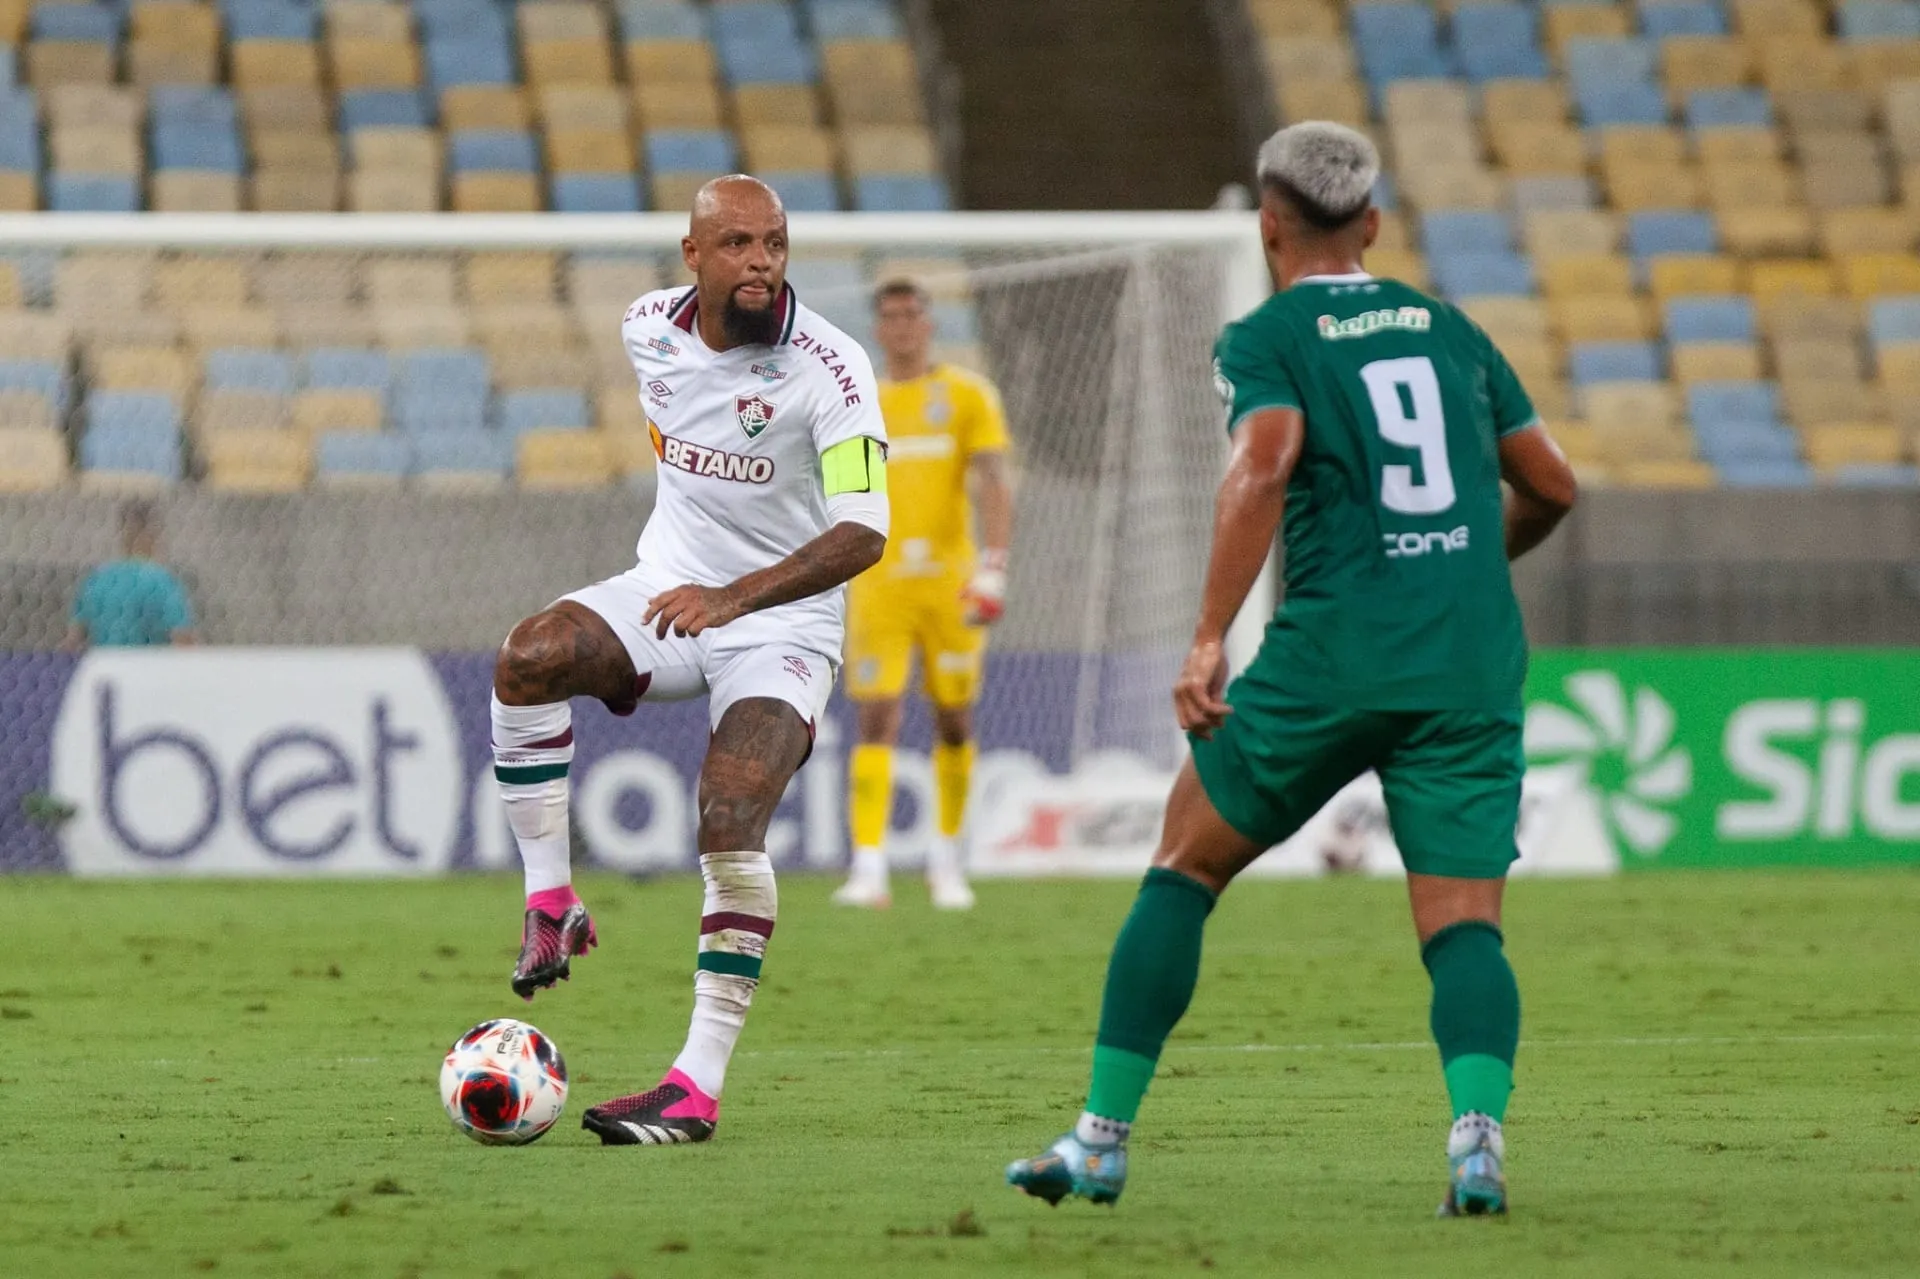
column 503, row 1083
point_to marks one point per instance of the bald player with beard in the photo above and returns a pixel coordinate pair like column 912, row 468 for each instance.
column 772, row 494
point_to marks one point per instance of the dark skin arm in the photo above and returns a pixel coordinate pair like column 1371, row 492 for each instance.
column 838, row 555
column 1541, row 486
column 1246, row 517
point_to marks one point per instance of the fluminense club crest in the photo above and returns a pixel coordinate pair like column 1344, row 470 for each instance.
column 754, row 413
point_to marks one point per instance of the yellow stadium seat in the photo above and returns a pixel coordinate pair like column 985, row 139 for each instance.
column 873, row 149
column 561, row 20
column 584, row 106
column 487, row 192
column 1809, row 315
column 1688, row 274
column 1563, row 232
column 1564, row 22
column 1853, row 444
column 1748, row 184
column 674, row 192
column 1897, row 365
column 1429, row 102
column 484, row 106
column 392, row 191
column 405, row 282
column 1763, row 232
column 1550, row 396
column 1585, row 274
column 1408, row 268
column 106, row 106
column 677, row 106
column 1703, row 62
column 1634, row 185
column 589, row 151
column 218, row 326
column 368, row 20
column 19, row 192
column 616, row 407
column 1804, row 111
column 184, row 191
column 266, row 62
column 1870, row 275
column 1577, row 440
column 1674, row 475
column 151, row 64
column 564, row 460
column 1875, row 64
column 13, row 21
column 608, row 284
column 1440, row 143
column 1790, row 62
column 176, row 24
column 1770, row 279
column 1394, row 233
column 671, row 61
column 1729, row 144
column 1295, row 18
column 257, row 461
column 1901, row 107
column 396, row 147
column 231, row 410
column 32, row 459
column 373, row 64
column 1606, row 317
column 103, row 280
column 519, row 365
column 55, row 62
column 413, row 327
column 631, row 451
column 1310, row 58
column 318, row 411
column 95, row 149
column 1533, row 147
column 199, row 280
column 794, row 104
column 1342, row 101
column 1536, row 360
column 295, row 189
column 799, row 148
column 10, row 293
column 311, row 279
column 1544, row 100
column 1761, row 19
column 27, row 410
column 526, row 323
column 1620, row 406
column 296, row 148
column 875, row 100
column 1715, row 362
column 588, row 61
column 144, row 368
column 283, row 106
column 513, row 278
column 1452, row 186
column 105, row 329
column 1642, row 144
column 330, row 325
column 29, row 335
column 1822, row 401
column 1802, row 357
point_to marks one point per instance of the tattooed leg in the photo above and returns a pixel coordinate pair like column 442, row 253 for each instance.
column 567, row 651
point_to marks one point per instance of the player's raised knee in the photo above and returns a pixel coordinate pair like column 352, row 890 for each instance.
column 534, row 659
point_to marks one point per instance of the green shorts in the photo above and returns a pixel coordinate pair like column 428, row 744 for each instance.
column 1451, row 778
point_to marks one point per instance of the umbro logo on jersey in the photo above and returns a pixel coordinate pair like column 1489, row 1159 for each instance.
column 797, row 667
column 754, row 413
column 662, row 346
column 769, row 372
column 659, row 390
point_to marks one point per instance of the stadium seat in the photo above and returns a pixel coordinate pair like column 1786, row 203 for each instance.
column 599, row 193
column 248, row 370
column 131, row 438
column 563, row 460
column 1613, row 362
column 1664, row 19
column 256, row 460
column 33, row 459
column 492, row 151
column 373, row 108
column 689, row 151
column 805, row 192
column 891, row 194
column 361, row 459
column 1480, row 274
column 1465, row 232
column 1710, row 319
column 1498, row 40
column 462, row 459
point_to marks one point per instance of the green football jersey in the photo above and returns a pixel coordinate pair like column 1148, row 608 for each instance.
column 1398, row 595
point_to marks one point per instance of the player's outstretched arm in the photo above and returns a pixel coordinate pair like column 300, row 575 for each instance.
column 1542, row 486
column 1246, row 518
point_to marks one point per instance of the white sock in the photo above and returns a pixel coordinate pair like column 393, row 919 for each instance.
column 869, row 866
column 1092, row 1130
column 1467, row 1131
column 529, row 743
column 944, row 860
column 735, row 922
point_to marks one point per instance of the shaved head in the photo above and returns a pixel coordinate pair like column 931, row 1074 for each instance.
column 736, row 247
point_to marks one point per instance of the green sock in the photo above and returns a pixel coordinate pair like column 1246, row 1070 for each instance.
column 1476, row 1015
column 1150, row 980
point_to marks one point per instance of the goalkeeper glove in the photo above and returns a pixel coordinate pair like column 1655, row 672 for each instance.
column 986, row 594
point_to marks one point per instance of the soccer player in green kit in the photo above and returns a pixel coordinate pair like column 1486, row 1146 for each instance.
column 1381, row 422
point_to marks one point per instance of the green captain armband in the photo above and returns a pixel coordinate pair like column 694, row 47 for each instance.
column 855, row 466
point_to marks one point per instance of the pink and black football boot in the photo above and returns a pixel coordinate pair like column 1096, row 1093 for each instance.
column 548, row 945
column 673, row 1114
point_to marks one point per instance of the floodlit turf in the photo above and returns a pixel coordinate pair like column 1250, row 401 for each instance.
column 1717, row 1077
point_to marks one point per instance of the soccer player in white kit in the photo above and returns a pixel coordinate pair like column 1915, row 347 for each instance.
column 772, row 494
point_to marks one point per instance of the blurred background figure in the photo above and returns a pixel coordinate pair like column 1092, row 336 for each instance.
column 135, row 600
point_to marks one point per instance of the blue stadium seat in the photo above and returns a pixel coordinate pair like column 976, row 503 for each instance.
column 1656, row 232
column 193, row 146
column 1397, row 41
column 689, row 151
column 598, row 193
column 1881, row 475
column 828, row 275
column 270, row 20
column 764, row 57
column 1468, row 275
column 1894, row 319
column 647, row 20
column 1728, row 108
column 419, row 412
column 493, row 149
column 93, row 23
column 92, row 193
column 1710, row 319
column 1730, row 443
column 19, row 143
column 894, row 193
column 469, row 59
column 1465, row 232
column 9, row 66
column 204, row 105
column 1498, row 40
column 806, row 192
column 1767, row 474
column 449, row 371
column 249, row 370
column 1598, row 60
column 1534, row 193
column 853, row 20
column 1626, row 102
column 42, row 376
column 1662, row 18
column 1385, row 194
column 461, row 17
column 347, row 368
column 521, row 411
column 132, row 431
column 380, row 453
column 1879, row 20
column 1733, row 402
column 461, row 452
column 382, row 108
column 750, row 19
column 1613, row 362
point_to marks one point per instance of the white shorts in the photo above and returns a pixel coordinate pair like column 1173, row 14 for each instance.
column 751, row 656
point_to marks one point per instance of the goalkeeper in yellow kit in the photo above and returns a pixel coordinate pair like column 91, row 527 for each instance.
column 933, row 593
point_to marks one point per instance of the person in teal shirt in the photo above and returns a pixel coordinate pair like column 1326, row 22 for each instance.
column 134, row 600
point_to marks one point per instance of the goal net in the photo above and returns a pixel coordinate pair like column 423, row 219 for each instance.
column 413, row 431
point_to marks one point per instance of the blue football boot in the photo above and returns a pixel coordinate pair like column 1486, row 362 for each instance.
column 1476, row 1182
column 1071, row 1167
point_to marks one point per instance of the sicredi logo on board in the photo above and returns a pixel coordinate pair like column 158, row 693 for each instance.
column 258, row 762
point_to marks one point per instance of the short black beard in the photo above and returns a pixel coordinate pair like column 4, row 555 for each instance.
column 749, row 328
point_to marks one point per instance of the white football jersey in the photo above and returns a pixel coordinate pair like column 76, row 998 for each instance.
column 738, row 436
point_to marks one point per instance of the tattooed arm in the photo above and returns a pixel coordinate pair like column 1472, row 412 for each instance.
column 838, row 555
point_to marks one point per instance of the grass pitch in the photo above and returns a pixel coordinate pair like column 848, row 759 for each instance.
column 1717, row 1077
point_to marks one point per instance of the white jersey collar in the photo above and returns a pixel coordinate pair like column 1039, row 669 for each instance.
column 686, row 309
column 1352, row 277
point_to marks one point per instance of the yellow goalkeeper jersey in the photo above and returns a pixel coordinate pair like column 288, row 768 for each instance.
column 935, row 425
